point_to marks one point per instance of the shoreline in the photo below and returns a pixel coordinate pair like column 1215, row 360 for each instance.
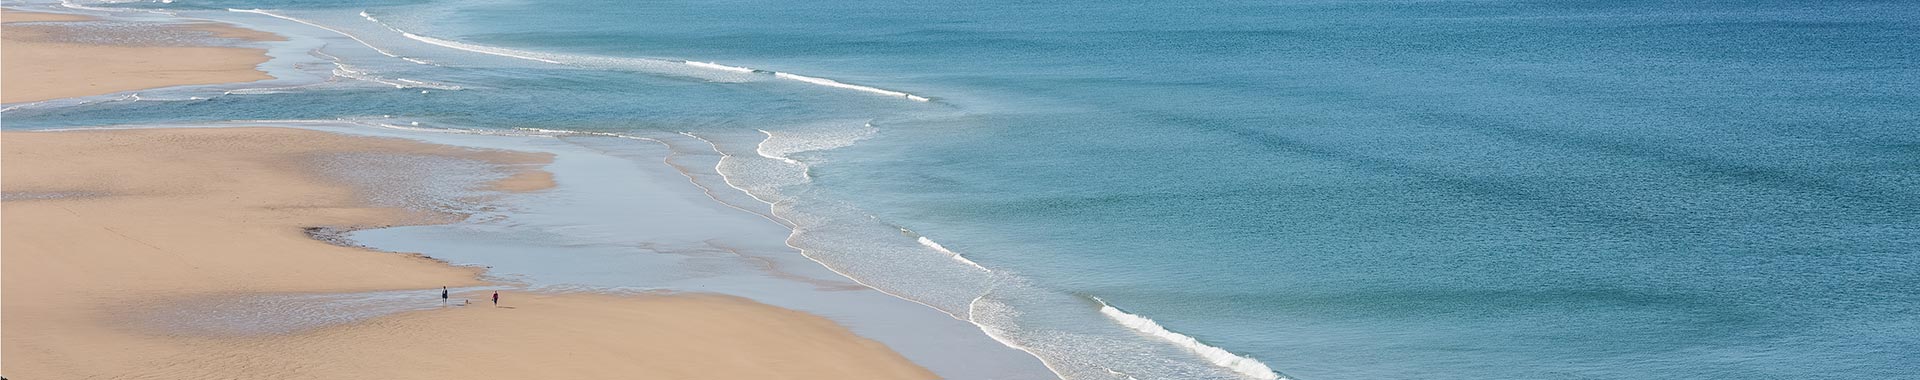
column 768, row 270
column 253, row 190
column 45, row 62
column 190, row 251
column 624, row 219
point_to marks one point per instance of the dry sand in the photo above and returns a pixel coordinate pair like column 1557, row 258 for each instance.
column 37, row 67
column 101, row 229
column 100, row 226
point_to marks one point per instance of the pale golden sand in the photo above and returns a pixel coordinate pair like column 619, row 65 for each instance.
column 103, row 225
column 34, row 67
column 101, row 228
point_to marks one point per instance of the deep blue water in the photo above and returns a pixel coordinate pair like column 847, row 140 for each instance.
column 1337, row 189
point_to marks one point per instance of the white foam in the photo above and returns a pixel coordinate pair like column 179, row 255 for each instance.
column 75, row 5
column 71, row 4
column 807, row 79
column 973, row 310
column 701, row 70
column 336, row 31
column 345, row 71
column 716, row 66
column 855, row 87
column 784, row 144
column 414, row 127
column 761, row 149
column 489, row 50
column 264, row 90
column 1218, row 356
column 950, row 253
column 548, row 131
column 369, row 17
column 557, row 133
column 811, row 255
column 649, row 64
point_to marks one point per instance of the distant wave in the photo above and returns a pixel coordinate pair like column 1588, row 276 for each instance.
column 555, row 59
column 510, row 53
column 75, row 5
column 855, row 87
column 415, row 127
column 343, row 70
column 264, row 90
column 566, row 59
column 336, row 31
column 369, row 17
column 716, row 66
column 1217, row 356
column 950, row 253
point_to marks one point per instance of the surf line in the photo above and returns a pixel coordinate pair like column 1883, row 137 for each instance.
column 805, row 79
column 1217, row 356
column 561, row 59
column 336, row 31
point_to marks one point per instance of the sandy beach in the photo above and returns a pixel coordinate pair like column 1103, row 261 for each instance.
column 101, row 226
column 42, row 62
column 116, row 241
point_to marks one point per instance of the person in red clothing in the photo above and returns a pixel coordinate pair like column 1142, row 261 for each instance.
column 496, row 298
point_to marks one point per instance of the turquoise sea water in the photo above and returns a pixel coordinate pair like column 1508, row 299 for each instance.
column 1322, row 189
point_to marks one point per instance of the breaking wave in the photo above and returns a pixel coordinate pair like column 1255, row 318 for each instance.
column 324, row 27
column 855, row 87
column 345, row 71
column 1218, row 356
column 510, row 53
column 716, row 66
column 950, row 253
column 648, row 64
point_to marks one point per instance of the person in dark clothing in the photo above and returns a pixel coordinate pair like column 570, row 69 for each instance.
column 443, row 294
column 496, row 298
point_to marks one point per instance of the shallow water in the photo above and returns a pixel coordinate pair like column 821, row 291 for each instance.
column 1330, row 189
column 272, row 314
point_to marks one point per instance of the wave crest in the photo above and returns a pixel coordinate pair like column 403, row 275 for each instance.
column 1218, row 356
column 855, row 87
column 929, row 243
column 651, row 64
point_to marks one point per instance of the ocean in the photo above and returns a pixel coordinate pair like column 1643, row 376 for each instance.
column 1356, row 189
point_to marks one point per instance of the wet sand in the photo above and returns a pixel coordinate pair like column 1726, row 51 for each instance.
column 42, row 61
column 198, row 253
column 102, row 227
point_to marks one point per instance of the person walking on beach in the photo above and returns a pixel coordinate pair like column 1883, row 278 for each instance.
column 496, row 298
column 443, row 295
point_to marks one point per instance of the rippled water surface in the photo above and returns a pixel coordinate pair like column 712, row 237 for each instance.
column 1320, row 189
